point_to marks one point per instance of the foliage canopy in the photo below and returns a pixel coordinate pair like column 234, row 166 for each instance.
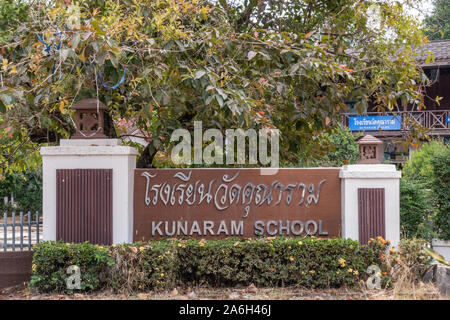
column 437, row 24
column 290, row 65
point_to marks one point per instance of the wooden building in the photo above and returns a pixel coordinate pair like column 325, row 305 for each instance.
column 394, row 127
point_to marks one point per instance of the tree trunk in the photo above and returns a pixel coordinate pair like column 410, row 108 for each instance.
column 146, row 158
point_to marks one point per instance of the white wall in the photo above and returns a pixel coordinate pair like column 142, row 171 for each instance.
column 442, row 247
column 92, row 154
column 370, row 176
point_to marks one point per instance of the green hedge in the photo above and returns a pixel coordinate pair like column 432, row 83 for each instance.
column 424, row 195
column 441, row 187
column 51, row 260
column 416, row 210
column 27, row 190
column 156, row 265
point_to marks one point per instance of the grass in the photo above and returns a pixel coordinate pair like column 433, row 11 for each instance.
column 420, row 291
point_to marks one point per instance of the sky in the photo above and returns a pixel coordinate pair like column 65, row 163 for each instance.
column 426, row 8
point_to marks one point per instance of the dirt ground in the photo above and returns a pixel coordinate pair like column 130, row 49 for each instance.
column 421, row 292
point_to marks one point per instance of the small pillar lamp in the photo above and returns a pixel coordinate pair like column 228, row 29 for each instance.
column 370, row 149
column 89, row 119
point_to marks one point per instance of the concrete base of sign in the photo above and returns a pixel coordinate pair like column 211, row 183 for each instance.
column 370, row 176
column 442, row 247
column 440, row 276
column 92, row 154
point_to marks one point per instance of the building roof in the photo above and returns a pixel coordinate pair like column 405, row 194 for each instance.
column 441, row 53
column 368, row 139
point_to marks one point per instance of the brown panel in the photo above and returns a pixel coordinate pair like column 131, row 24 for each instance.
column 84, row 205
column 15, row 268
column 371, row 215
column 172, row 197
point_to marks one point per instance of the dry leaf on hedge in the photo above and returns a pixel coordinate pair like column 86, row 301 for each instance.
column 134, row 249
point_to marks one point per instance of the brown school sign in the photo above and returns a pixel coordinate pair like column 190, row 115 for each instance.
column 219, row 203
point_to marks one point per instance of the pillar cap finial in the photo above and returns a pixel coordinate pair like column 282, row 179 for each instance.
column 370, row 149
column 89, row 119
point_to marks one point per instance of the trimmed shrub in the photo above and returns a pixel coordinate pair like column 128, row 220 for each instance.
column 143, row 266
column 157, row 265
column 307, row 262
column 415, row 210
column 441, row 187
column 408, row 262
column 424, row 192
column 51, row 261
column 27, row 190
column 419, row 167
column 330, row 149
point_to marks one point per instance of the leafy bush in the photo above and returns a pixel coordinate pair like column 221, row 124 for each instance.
column 419, row 167
column 51, row 261
column 415, row 210
column 156, row 265
column 143, row 266
column 26, row 188
column 330, row 149
column 409, row 262
column 307, row 262
column 424, row 192
column 441, row 187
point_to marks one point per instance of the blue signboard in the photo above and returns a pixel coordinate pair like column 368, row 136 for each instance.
column 375, row 123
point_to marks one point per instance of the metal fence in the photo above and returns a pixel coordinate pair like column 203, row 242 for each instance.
column 19, row 232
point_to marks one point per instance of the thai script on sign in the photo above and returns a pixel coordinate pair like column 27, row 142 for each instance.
column 371, row 123
column 224, row 193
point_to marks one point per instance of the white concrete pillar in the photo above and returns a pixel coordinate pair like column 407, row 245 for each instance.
column 370, row 176
column 92, row 154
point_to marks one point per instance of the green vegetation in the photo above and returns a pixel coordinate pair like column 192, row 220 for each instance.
column 419, row 168
column 441, row 192
column 51, row 260
column 415, row 210
column 156, row 265
column 289, row 65
column 437, row 24
column 26, row 188
column 424, row 196
column 331, row 149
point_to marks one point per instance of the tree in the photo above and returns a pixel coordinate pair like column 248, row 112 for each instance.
column 288, row 65
column 26, row 188
column 416, row 210
column 419, row 168
column 441, row 185
column 424, row 193
column 332, row 149
column 437, row 24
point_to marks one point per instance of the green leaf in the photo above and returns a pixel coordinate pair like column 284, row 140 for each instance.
column 2, row 107
column 294, row 68
column 428, row 59
column 75, row 40
column 219, row 100
column 436, row 256
column 113, row 60
column 7, row 99
column 199, row 74
column 251, row 55
column 65, row 54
